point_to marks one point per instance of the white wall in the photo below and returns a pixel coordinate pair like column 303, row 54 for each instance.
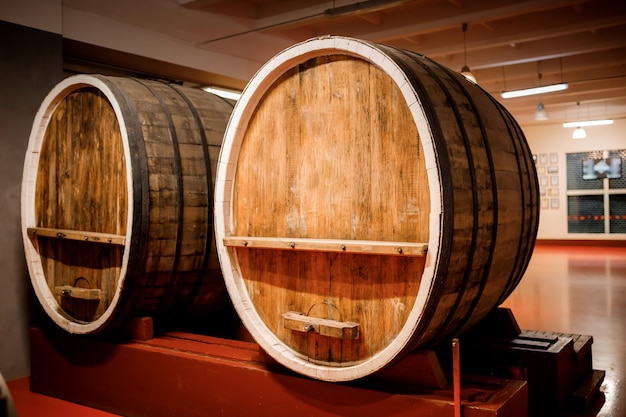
column 553, row 138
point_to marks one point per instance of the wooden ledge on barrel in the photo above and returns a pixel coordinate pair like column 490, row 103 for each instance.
column 370, row 247
column 77, row 292
column 85, row 236
column 294, row 320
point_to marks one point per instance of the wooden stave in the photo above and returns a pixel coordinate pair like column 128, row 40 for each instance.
column 528, row 187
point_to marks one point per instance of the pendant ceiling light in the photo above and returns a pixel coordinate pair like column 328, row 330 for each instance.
column 584, row 123
column 534, row 90
column 589, row 123
column 541, row 113
column 541, row 89
column 579, row 132
column 465, row 71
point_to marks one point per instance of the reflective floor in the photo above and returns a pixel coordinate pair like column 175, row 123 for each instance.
column 578, row 290
column 581, row 290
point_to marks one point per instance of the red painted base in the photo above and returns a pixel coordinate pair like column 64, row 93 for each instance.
column 183, row 374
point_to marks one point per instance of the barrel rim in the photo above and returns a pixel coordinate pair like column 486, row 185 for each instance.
column 226, row 173
column 37, row 277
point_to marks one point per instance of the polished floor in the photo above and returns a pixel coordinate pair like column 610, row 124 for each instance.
column 566, row 289
column 581, row 290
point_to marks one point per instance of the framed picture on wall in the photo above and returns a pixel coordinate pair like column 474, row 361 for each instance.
column 553, row 169
column 554, row 203
column 554, row 180
column 544, row 204
column 554, row 158
column 543, row 158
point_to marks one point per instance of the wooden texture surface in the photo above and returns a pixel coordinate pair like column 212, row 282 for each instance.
column 118, row 192
column 338, row 139
column 81, row 185
column 326, row 169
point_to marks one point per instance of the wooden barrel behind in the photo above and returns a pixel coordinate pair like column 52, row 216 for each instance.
column 117, row 201
column 368, row 202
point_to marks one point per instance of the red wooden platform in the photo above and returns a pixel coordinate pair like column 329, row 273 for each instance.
column 195, row 375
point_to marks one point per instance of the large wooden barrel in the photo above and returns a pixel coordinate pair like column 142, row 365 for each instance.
column 369, row 202
column 117, row 201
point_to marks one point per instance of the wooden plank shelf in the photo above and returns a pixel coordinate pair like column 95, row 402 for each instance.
column 80, row 293
column 85, row 236
column 341, row 330
column 329, row 245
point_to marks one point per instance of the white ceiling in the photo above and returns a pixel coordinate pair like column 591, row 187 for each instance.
column 509, row 43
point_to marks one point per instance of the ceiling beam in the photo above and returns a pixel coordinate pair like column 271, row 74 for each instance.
column 197, row 4
column 440, row 16
column 511, row 32
column 539, row 50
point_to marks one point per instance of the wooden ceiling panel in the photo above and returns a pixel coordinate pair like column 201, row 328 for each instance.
column 508, row 43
